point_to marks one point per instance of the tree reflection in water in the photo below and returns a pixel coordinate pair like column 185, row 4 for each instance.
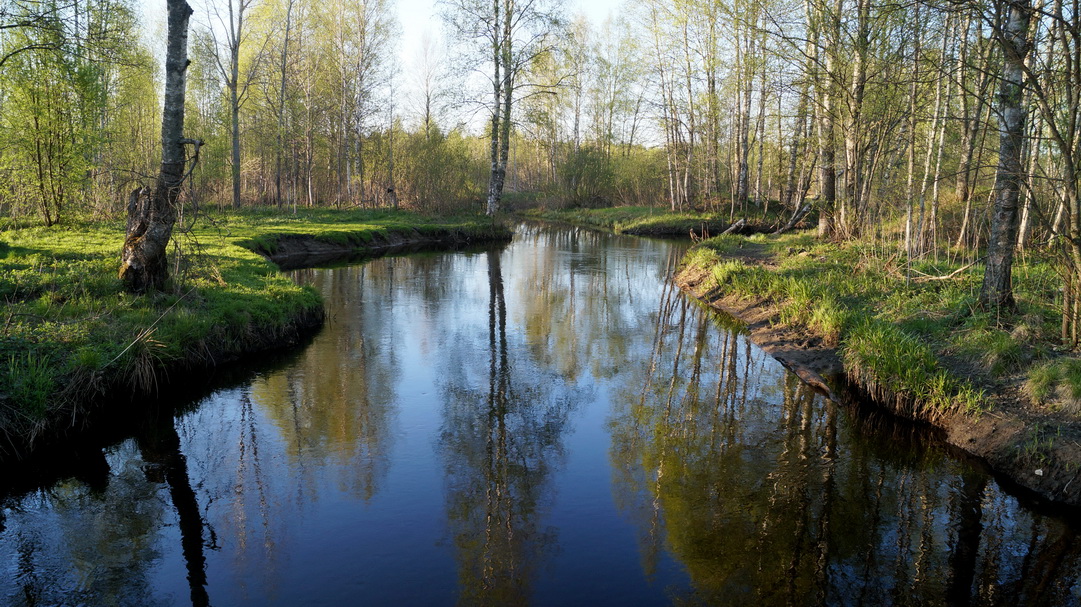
column 500, row 444
column 87, row 539
column 770, row 494
column 335, row 405
column 160, row 446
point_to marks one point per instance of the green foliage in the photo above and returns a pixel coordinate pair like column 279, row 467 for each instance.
column 77, row 113
column 1057, row 383
column 30, row 382
column 639, row 177
column 587, row 177
column 436, row 172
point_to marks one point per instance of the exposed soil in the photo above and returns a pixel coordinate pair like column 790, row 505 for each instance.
column 1033, row 448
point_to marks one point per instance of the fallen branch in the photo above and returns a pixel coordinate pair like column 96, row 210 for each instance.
column 928, row 278
column 795, row 219
column 736, row 226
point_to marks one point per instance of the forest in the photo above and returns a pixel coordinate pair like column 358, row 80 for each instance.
column 886, row 115
column 931, row 132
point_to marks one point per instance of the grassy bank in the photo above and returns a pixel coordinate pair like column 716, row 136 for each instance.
column 915, row 341
column 70, row 333
column 642, row 221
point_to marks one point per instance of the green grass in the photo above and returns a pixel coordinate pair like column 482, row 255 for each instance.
column 920, row 345
column 1056, row 383
column 261, row 230
column 637, row 220
column 32, row 381
column 68, row 329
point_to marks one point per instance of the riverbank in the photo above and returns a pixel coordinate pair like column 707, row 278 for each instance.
column 71, row 339
column 646, row 221
column 847, row 319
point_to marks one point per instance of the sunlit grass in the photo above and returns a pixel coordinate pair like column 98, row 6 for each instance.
column 1056, row 383
column 893, row 332
column 67, row 326
column 639, row 220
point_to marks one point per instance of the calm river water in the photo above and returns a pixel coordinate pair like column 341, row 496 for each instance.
column 547, row 423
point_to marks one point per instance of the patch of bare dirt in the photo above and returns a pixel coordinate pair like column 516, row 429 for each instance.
column 1034, row 447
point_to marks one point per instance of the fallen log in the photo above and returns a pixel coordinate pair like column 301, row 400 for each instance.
column 796, row 218
column 739, row 225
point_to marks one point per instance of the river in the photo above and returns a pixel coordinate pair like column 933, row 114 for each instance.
column 548, row 423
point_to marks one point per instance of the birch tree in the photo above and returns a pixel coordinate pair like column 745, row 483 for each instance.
column 507, row 36
column 996, row 293
column 152, row 213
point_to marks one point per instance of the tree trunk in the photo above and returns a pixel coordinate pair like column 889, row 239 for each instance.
column 853, row 134
column 910, row 192
column 795, row 151
column 824, row 114
column 972, row 104
column 744, row 76
column 760, row 130
column 937, row 118
column 234, row 95
column 151, row 214
column 997, row 290
column 280, row 149
column 235, row 106
column 691, row 127
column 796, row 218
column 495, row 190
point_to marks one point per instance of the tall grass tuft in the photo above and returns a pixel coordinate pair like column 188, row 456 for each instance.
column 903, row 373
column 1056, row 383
column 830, row 318
column 1041, row 382
column 31, row 382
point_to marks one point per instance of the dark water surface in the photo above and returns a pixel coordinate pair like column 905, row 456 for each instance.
column 548, row 424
